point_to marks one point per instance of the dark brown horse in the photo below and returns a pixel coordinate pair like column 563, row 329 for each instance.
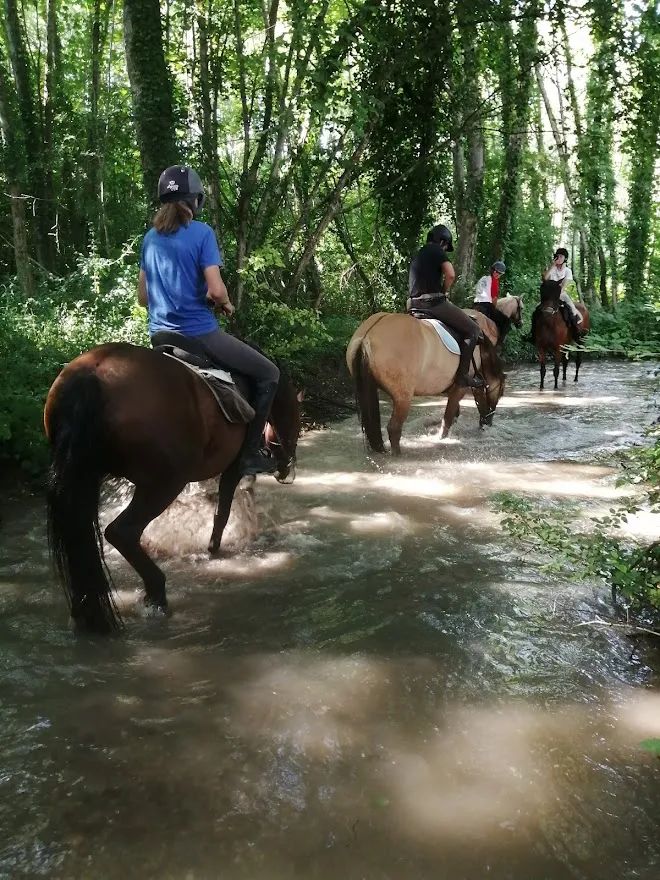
column 550, row 332
column 125, row 411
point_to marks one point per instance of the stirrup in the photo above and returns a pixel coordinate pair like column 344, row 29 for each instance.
column 470, row 382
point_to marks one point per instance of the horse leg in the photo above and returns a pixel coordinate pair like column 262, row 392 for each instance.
column 125, row 531
column 578, row 362
column 228, row 483
column 555, row 369
column 452, row 410
column 564, row 365
column 542, row 367
column 400, row 410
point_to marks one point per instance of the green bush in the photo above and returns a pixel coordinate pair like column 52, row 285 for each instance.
column 39, row 336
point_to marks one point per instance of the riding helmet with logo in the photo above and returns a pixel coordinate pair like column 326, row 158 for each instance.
column 439, row 235
column 181, row 184
column 561, row 252
column 498, row 266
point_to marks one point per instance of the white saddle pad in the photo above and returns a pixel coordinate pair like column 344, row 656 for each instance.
column 223, row 375
column 445, row 336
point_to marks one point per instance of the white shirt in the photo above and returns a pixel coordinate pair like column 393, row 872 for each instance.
column 482, row 290
column 563, row 275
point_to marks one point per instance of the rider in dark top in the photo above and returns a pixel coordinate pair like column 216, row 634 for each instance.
column 429, row 280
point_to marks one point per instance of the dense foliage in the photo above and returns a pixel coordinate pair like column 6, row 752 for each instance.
column 330, row 135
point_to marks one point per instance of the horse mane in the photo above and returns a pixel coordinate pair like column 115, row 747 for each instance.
column 550, row 290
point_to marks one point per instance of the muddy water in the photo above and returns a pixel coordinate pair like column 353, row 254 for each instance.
column 378, row 685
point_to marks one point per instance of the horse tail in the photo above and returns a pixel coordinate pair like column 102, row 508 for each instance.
column 366, row 397
column 77, row 434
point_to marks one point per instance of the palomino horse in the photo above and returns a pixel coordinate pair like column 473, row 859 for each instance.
column 404, row 357
column 124, row 411
column 510, row 310
column 551, row 333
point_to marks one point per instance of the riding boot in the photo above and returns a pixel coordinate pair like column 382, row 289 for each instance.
column 463, row 378
column 575, row 327
column 255, row 459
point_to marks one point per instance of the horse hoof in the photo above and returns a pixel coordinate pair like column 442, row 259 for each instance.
column 155, row 609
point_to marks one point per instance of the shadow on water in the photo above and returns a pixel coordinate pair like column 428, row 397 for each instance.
column 378, row 686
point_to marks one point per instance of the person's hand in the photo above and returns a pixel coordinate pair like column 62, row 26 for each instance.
column 227, row 308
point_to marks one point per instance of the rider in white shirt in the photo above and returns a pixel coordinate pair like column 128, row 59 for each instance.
column 559, row 271
column 486, row 292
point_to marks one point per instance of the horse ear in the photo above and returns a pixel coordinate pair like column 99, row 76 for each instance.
column 300, row 396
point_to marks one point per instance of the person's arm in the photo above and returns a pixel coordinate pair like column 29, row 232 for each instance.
column 449, row 275
column 546, row 273
column 142, row 289
column 217, row 291
column 567, row 279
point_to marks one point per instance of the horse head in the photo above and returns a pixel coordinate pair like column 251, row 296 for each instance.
column 495, row 377
column 511, row 307
column 283, row 429
column 550, row 292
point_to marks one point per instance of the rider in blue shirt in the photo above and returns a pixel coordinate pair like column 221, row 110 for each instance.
column 180, row 279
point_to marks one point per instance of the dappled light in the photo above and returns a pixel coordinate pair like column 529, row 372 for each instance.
column 378, row 675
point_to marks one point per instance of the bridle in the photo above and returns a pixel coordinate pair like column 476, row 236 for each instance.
column 290, row 464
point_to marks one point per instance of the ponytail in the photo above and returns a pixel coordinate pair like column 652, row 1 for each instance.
column 171, row 216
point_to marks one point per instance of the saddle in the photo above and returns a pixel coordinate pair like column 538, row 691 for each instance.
column 230, row 390
column 450, row 338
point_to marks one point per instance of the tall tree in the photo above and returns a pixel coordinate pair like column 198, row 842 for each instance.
column 151, row 90
column 643, row 147
column 28, row 119
column 515, row 87
column 13, row 160
column 468, row 147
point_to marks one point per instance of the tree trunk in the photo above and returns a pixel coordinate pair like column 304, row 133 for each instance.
column 21, row 246
column 334, row 204
column 643, row 148
column 516, row 91
column 95, row 205
column 52, row 77
column 15, row 172
column 602, row 262
column 468, row 176
column 151, row 90
column 209, row 130
column 28, row 121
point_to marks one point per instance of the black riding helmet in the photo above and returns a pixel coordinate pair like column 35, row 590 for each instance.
column 563, row 252
column 178, row 183
column 498, row 266
column 440, row 234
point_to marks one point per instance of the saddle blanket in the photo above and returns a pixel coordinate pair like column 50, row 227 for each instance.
column 220, row 383
column 445, row 336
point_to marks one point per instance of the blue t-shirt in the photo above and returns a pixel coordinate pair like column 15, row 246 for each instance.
column 174, row 264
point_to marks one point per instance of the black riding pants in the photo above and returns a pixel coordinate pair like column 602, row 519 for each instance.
column 236, row 355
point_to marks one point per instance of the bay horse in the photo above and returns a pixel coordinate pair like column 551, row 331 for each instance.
column 404, row 357
column 126, row 411
column 550, row 332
